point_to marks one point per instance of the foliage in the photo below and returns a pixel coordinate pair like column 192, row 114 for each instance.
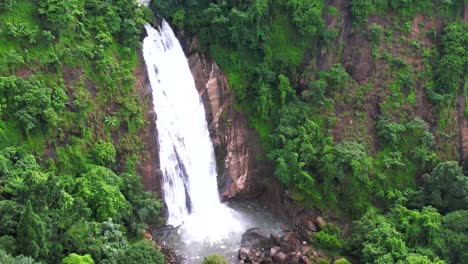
column 104, row 153
column 141, row 252
column 410, row 236
column 456, row 236
column 214, row 259
column 452, row 67
column 77, row 259
column 100, row 189
column 31, row 240
column 342, row 261
column 446, row 188
column 65, row 67
column 8, row 259
column 329, row 238
column 406, row 9
column 329, row 82
column 298, row 143
column 33, row 103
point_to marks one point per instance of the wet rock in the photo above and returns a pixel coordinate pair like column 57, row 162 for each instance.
column 294, row 257
column 275, row 239
column 307, row 224
column 280, row 258
column 252, row 255
column 267, row 260
column 232, row 138
column 244, row 253
column 286, row 247
column 285, row 228
column 274, row 251
column 242, row 262
column 256, row 238
column 293, row 240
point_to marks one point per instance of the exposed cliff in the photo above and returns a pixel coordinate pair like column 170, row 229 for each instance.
column 236, row 145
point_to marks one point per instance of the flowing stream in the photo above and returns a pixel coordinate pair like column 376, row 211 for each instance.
column 203, row 225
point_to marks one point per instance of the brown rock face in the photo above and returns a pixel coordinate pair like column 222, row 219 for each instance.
column 149, row 157
column 232, row 139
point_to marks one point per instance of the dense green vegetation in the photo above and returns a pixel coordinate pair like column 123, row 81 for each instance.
column 361, row 147
column 69, row 115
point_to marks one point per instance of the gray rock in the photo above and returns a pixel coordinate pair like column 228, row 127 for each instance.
column 256, row 238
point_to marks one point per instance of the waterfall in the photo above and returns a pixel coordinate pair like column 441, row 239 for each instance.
column 186, row 152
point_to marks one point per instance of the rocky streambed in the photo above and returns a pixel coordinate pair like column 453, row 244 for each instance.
column 192, row 252
column 265, row 239
column 293, row 246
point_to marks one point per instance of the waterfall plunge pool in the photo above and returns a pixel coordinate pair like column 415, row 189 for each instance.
column 248, row 213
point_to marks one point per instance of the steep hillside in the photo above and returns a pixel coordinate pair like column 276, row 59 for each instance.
column 70, row 116
column 360, row 108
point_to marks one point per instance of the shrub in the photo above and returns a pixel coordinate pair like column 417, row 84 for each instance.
column 104, row 153
column 215, row 259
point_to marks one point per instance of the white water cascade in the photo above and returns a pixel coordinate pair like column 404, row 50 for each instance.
column 186, row 152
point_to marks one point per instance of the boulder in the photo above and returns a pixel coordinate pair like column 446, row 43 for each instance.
column 274, row 250
column 253, row 255
column 293, row 239
column 244, row 253
column 280, row 258
column 256, row 238
column 275, row 239
column 286, row 247
column 306, row 224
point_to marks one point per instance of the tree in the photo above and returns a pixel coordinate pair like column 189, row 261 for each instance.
column 446, row 188
column 419, row 259
column 9, row 217
column 146, row 205
column 306, row 15
column 297, row 145
column 32, row 102
column 142, row 252
column 31, row 239
column 59, row 15
column 455, row 234
column 74, row 258
column 286, row 92
column 6, row 4
column 384, row 245
column 6, row 258
column 100, row 188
